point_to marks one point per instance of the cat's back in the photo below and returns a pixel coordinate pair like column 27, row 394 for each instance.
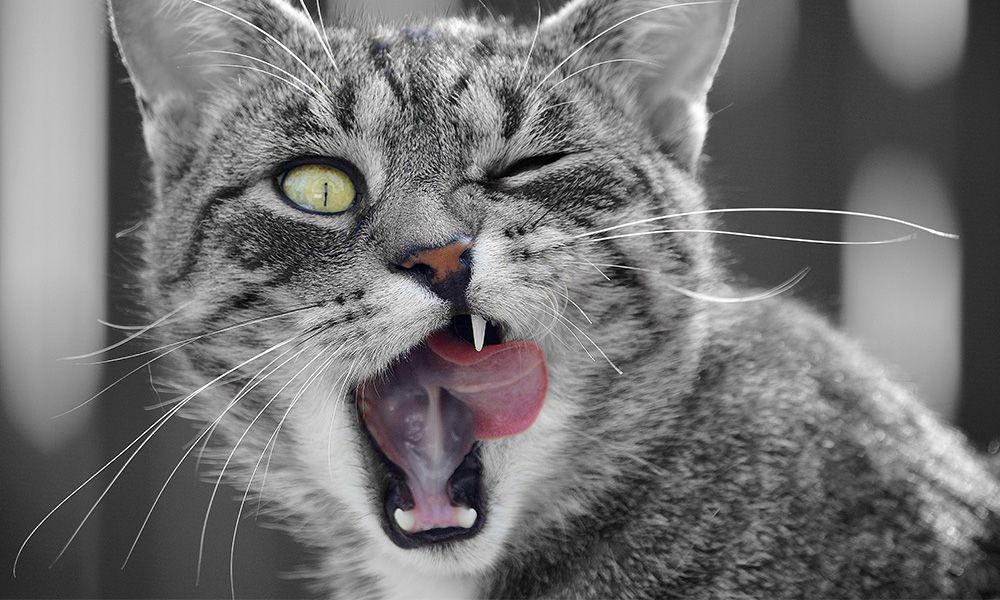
column 815, row 474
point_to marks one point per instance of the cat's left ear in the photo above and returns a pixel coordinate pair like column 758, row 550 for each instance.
column 180, row 52
column 663, row 55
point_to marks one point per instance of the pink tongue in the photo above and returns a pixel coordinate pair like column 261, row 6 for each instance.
column 427, row 411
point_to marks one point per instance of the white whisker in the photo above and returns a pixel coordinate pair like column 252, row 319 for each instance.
column 538, row 26
column 291, row 76
column 323, row 41
column 818, row 211
column 602, row 63
column 761, row 236
column 141, row 440
column 229, row 459
column 610, row 29
column 176, row 346
column 775, row 291
column 589, row 339
column 268, row 36
column 304, row 90
column 205, row 433
column 141, row 330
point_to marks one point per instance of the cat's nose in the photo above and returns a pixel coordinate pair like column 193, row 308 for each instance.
column 446, row 269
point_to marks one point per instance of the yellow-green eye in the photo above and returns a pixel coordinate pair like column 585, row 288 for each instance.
column 319, row 188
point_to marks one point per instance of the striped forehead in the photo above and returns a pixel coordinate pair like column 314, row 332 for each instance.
column 422, row 83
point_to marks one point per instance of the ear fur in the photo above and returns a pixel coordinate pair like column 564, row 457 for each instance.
column 171, row 49
column 674, row 49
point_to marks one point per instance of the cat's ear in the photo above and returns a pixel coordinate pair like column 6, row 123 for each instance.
column 174, row 51
column 663, row 53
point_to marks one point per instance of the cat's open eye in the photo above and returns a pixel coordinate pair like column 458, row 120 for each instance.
column 318, row 188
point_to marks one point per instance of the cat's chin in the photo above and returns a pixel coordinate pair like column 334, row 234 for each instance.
column 426, row 417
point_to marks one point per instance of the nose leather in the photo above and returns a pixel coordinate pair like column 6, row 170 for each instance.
column 445, row 269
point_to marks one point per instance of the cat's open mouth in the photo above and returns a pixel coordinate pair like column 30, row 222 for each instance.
column 464, row 383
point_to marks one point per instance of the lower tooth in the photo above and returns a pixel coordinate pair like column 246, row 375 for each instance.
column 405, row 520
column 467, row 517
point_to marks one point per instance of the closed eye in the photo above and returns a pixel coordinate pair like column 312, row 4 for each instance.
column 532, row 163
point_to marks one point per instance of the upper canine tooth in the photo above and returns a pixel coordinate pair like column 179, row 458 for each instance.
column 478, row 331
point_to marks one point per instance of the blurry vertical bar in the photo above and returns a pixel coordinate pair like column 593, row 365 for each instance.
column 52, row 271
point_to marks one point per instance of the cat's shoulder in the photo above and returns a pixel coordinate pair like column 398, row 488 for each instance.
column 827, row 464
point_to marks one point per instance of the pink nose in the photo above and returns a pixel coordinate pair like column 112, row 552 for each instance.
column 446, row 269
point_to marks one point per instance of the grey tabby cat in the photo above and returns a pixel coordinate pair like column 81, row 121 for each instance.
column 394, row 232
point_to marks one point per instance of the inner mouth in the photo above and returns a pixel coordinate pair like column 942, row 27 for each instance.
column 425, row 417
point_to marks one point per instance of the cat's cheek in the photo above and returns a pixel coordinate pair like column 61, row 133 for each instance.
column 330, row 446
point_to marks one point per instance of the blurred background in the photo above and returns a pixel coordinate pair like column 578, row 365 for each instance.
column 883, row 106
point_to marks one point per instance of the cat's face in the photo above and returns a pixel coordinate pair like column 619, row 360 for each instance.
column 475, row 159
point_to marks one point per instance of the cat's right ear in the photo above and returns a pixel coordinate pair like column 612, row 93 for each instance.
column 666, row 53
column 174, row 49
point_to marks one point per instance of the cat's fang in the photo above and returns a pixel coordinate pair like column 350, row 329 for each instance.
column 467, row 517
column 478, row 331
column 406, row 520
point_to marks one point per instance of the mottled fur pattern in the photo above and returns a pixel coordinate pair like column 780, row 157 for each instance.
column 746, row 450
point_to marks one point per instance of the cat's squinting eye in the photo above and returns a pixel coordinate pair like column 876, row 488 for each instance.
column 318, row 188
column 531, row 163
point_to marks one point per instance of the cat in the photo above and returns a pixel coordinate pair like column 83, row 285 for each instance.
column 382, row 247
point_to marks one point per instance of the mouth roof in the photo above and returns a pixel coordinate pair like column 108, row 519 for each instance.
column 428, row 411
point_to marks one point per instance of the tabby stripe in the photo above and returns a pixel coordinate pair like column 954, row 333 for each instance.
column 378, row 50
column 205, row 215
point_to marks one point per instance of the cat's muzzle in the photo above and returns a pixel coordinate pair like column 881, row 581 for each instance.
column 426, row 417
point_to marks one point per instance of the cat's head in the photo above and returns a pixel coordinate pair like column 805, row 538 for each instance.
column 338, row 212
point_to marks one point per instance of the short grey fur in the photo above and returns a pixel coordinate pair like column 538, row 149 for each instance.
column 745, row 450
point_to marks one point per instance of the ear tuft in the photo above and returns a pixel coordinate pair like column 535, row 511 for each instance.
column 673, row 49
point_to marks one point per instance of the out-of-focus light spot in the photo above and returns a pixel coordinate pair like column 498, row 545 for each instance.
column 904, row 301
column 53, row 111
column 915, row 43
column 762, row 48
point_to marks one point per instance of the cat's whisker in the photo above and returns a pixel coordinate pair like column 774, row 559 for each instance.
column 625, row 267
column 598, row 269
column 129, row 230
column 557, row 105
column 531, row 49
column 550, row 327
column 341, row 398
column 271, row 442
column 316, row 374
column 324, row 42
column 600, row 64
column 287, row 74
column 608, row 30
column 207, row 433
column 177, row 346
column 200, row 336
column 760, row 236
column 232, row 453
column 304, row 90
column 777, row 210
column 139, row 332
column 556, row 319
column 565, row 294
column 139, row 442
column 569, row 322
column 488, row 11
column 268, row 36
column 777, row 290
